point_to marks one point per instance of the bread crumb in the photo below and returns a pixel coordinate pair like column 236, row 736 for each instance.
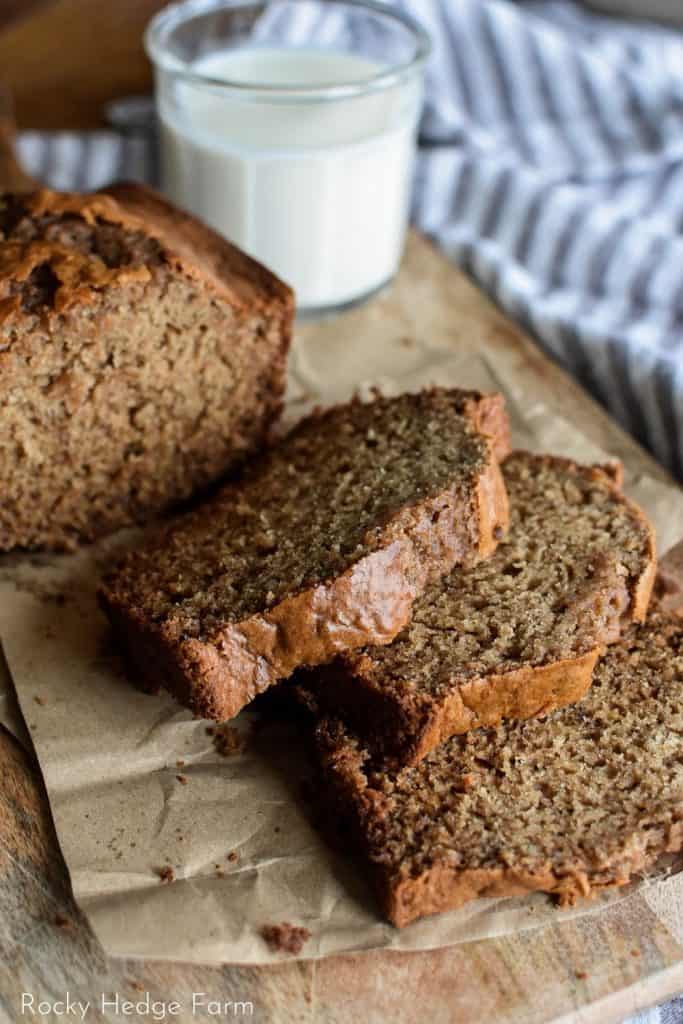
column 228, row 740
column 137, row 985
column 581, row 975
column 166, row 874
column 39, row 700
column 285, row 937
column 182, row 779
column 232, row 856
column 62, row 921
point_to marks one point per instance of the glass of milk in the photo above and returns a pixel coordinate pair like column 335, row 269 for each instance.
column 289, row 126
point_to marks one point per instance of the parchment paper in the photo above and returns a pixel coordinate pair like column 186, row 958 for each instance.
column 136, row 785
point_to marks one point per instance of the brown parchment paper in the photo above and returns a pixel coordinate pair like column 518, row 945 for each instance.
column 136, row 785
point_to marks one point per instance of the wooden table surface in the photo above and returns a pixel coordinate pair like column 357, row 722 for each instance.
column 598, row 968
column 62, row 64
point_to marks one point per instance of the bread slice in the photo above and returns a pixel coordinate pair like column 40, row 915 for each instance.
column 142, row 357
column 515, row 636
column 567, row 804
column 323, row 546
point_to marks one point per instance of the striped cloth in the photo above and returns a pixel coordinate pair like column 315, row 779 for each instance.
column 551, row 169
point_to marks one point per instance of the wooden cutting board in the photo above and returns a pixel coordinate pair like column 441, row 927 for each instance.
column 598, row 968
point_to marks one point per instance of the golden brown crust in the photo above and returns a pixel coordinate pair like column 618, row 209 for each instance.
column 471, row 704
column 369, row 603
column 199, row 251
column 407, row 722
column 524, row 693
column 493, row 507
column 570, row 805
column 192, row 247
column 444, row 887
column 144, row 357
column 488, row 414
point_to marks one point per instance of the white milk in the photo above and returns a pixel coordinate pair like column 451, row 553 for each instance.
column 318, row 191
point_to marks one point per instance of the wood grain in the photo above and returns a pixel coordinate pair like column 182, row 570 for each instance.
column 12, row 10
column 13, row 177
column 63, row 60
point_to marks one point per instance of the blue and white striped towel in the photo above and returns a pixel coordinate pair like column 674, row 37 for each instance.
column 551, row 168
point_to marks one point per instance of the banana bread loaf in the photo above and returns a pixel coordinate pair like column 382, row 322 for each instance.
column 567, row 804
column 322, row 546
column 515, row 636
column 142, row 357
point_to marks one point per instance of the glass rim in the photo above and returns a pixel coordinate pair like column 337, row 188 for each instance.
column 175, row 14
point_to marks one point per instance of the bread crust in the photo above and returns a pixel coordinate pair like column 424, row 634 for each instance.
column 188, row 244
column 444, row 887
column 357, row 796
column 369, row 603
column 472, row 704
column 136, row 432
column 405, row 727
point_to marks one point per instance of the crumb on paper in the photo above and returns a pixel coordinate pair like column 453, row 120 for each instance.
column 581, row 975
column 182, row 779
column 166, row 874
column 62, row 921
column 232, row 856
column 227, row 740
column 137, row 985
column 635, row 952
column 285, row 937
column 39, row 700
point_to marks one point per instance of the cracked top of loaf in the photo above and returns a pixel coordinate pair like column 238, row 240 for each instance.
column 58, row 249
